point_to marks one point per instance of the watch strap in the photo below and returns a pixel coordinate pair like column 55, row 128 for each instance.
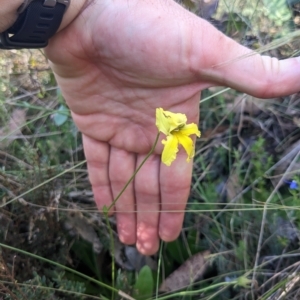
column 34, row 26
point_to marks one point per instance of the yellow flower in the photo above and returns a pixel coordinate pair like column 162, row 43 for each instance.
column 177, row 131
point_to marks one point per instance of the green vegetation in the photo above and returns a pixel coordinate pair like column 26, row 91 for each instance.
column 241, row 229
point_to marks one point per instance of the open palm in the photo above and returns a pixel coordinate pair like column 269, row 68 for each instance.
column 120, row 60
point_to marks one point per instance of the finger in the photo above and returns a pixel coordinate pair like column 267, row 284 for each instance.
column 222, row 61
column 121, row 168
column 147, row 204
column 175, row 183
column 97, row 156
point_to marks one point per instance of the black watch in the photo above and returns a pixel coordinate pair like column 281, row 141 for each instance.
column 37, row 22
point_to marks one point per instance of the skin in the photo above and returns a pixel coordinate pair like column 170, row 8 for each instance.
column 116, row 62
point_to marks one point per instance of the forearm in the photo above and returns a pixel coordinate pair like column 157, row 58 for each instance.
column 9, row 14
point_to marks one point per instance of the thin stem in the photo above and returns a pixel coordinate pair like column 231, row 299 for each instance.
column 112, row 249
column 133, row 175
column 107, row 209
column 158, row 268
column 197, row 292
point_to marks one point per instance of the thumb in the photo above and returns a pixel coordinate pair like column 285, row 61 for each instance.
column 224, row 62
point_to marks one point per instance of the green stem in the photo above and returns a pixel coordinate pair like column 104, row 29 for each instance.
column 158, row 268
column 133, row 175
column 112, row 249
column 107, row 209
column 197, row 292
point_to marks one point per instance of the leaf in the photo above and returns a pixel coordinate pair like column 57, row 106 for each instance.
column 177, row 251
column 84, row 252
column 144, row 284
column 59, row 95
column 187, row 273
column 61, row 116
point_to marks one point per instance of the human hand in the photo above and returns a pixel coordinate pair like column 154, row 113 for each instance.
column 120, row 60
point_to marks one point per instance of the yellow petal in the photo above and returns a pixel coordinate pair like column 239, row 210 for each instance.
column 170, row 150
column 167, row 121
column 162, row 122
column 176, row 121
column 187, row 144
column 190, row 129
